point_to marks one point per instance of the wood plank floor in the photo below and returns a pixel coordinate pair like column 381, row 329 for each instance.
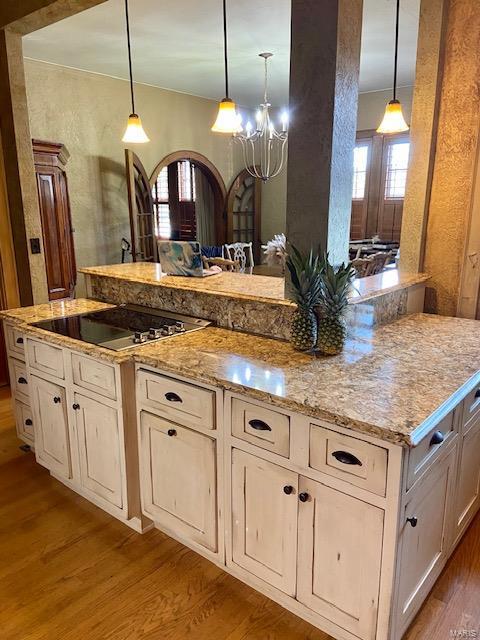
column 68, row 571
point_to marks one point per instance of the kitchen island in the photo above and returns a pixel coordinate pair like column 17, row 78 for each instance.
column 337, row 486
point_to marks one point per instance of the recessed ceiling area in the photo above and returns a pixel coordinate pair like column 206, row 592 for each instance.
column 177, row 45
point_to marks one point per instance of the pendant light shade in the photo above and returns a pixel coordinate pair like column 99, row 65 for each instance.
column 134, row 132
column 393, row 120
column 228, row 120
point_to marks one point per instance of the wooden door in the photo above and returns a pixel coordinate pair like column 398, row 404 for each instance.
column 264, row 520
column 140, row 208
column 424, row 547
column 244, row 212
column 468, row 482
column 56, row 218
column 178, row 479
column 52, row 446
column 339, row 557
column 99, row 448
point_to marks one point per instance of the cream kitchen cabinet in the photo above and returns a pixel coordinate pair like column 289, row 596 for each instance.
column 178, row 476
column 264, row 520
column 52, row 438
column 467, row 498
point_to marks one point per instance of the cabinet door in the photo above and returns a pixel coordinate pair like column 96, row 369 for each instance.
column 424, row 538
column 52, row 446
column 99, row 449
column 178, row 479
column 264, row 520
column 339, row 557
column 468, row 483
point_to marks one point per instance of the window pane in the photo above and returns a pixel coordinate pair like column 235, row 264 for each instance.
column 397, row 166
column 360, row 160
column 160, row 189
column 164, row 229
column 185, row 181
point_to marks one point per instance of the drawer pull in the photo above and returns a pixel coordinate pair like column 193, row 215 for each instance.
column 437, row 438
column 22, row 380
column 288, row 489
column 19, row 341
column 413, row 521
column 75, row 406
column 259, row 425
column 477, row 393
column 303, row 497
column 57, row 399
column 28, row 422
column 346, row 458
column 173, row 397
column 172, row 432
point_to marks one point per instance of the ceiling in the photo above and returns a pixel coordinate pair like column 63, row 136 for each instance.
column 177, row 44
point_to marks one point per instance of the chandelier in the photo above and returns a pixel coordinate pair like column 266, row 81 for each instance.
column 264, row 148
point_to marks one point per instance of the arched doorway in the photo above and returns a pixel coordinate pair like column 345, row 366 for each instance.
column 188, row 199
column 244, row 208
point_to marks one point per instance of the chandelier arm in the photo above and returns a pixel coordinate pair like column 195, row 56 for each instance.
column 253, row 163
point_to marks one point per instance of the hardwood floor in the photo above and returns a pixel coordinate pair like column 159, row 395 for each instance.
column 68, row 571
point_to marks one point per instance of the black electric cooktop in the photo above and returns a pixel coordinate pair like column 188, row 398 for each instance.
column 123, row 327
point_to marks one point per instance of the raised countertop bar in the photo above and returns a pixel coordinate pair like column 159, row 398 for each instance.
column 391, row 381
column 248, row 287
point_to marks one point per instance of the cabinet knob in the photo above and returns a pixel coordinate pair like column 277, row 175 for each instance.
column 437, row 438
column 259, row 425
column 173, row 397
column 57, row 399
column 22, row 380
column 75, row 406
column 346, row 458
column 477, row 393
column 288, row 489
column 19, row 340
column 172, row 432
column 303, row 497
column 413, row 521
column 28, row 422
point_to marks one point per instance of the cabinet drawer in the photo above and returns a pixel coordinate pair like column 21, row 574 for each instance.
column 471, row 405
column 93, row 375
column 24, row 422
column 262, row 427
column 19, row 380
column 45, row 358
column 355, row 461
column 180, row 401
column 15, row 341
column 422, row 456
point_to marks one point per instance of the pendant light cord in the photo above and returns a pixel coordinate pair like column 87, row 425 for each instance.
column 396, row 52
column 225, row 57
column 129, row 55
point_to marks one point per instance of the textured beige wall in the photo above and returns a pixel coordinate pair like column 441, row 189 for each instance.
column 87, row 113
column 455, row 158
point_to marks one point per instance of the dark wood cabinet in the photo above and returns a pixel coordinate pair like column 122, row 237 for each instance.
column 50, row 159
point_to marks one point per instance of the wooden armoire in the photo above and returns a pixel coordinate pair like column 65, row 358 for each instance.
column 50, row 160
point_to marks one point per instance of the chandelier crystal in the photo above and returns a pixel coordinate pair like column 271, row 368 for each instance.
column 264, row 148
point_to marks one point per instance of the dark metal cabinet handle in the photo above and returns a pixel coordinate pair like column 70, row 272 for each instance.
column 413, row 521
column 172, row 432
column 346, row 458
column 19, row 340
column 75, row 406
column 28, row 422
column 173, row 397
column 437, row 438
column 303, row 497
column 57, row 399
column 22, row 380
column 477, row 393
column 259, row 425
column 288, row 489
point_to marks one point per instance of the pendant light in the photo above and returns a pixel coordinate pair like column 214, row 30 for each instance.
column 134, row 132
column 393, row 120
column 228, row 120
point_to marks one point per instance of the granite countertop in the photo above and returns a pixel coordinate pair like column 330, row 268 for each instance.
column 248, row 287
column 392, row 381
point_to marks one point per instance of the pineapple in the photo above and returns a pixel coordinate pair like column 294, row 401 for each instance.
column 336, row 282
column 305, row 272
